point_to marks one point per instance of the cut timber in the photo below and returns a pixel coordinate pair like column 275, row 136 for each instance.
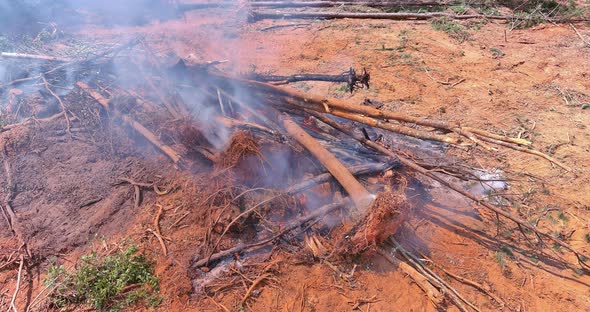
column 359, row 195
column 260, row 15
column 325, row 177
column 310, row 4
column 167, row 150
column 397, row 128
column 350, row 77
column 33, row 57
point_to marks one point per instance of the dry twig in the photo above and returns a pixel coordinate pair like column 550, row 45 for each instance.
column 580, row 35
column 157, row 229
column 20, row 271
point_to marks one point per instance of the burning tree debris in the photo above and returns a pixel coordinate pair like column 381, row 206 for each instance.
column 264, row 167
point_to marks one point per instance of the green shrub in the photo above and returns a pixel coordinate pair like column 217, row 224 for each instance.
column 451, row 27
column 107, row 284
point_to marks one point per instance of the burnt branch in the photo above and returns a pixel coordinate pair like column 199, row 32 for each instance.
column 350, row 77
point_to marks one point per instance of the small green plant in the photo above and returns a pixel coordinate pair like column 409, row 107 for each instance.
column 497, row 53
column 108, row 284
column 451, row 27
column 501, row 259
column 477, row 24
column 551, row 218
column 504, row 253
column 563, row 217
column 540, row 11
column 459, row 9
column 587, row 238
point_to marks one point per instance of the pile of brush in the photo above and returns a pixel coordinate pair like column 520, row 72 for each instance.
column 294, row 160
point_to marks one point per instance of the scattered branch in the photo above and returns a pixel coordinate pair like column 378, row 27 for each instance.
column 20, row 271
column 64, row 110
column 580, row 35
column 167, row 150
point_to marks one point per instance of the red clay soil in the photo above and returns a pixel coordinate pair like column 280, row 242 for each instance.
column 530, row 82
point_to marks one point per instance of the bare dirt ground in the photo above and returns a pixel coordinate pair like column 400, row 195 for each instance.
column 531, row 82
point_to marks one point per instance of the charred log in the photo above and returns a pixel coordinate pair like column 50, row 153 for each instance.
column 350, row 77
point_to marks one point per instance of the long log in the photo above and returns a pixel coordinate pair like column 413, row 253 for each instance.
column 359, row 195
column 582, row 258
column 301, row 77
column 33, row 57
column 350, row 77
column 235, row 123
column 397, row 128
column 308, row 4
column 325, row 177
column 148, row 135
column 260, row 15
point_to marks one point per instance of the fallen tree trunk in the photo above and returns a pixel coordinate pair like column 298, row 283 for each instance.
column 309, row 4
column 148, row 135
column 325, row 177
column 350, row 77
column 260, row 15
column 397, row 128
column 302, row 77
column 359, row 195
column 327, row 4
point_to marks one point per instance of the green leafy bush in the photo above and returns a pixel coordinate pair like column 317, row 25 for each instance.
column 108, row 284
column 451, row 27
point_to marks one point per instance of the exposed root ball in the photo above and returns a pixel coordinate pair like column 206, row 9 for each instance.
column 382, row 220
column 241, row 147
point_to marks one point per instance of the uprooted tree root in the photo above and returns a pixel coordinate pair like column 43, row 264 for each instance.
column 381, row 220
column 241, row 146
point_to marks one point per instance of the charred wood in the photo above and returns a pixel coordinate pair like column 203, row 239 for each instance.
column 350, row 77
column 325, row 177
column 312, row 4
column 148, row 135
column 293, row 225
column 359, row 195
